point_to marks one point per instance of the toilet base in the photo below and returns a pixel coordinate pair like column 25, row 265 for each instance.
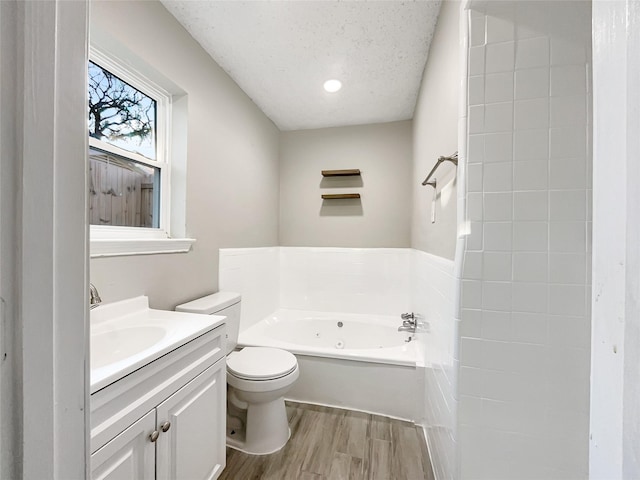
column 265, row 430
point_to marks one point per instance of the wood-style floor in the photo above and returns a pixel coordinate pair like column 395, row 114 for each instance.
column 333, row 444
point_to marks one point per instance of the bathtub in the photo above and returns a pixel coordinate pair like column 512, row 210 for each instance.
column 354, row 361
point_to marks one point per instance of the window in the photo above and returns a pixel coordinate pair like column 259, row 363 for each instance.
column 129, row 129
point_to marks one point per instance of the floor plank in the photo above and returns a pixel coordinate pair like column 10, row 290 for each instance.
column 335, row 444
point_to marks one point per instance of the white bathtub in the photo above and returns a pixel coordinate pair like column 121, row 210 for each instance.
column 353, row 361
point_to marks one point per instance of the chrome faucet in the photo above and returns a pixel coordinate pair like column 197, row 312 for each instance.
column 94, row 297
column 409, row 323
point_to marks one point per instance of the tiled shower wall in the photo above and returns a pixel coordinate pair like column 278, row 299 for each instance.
column 525, row 319
column 432, row 296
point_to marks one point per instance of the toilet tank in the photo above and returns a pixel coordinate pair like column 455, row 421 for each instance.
column 221, row 303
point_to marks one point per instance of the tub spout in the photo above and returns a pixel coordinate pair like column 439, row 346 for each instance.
column 407, row 328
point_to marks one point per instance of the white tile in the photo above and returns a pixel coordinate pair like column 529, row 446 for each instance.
column 566, row 51
column 531, row 144
column 474, row 207
column 567, row 111
column 498, row 206
column 475, row 153
column 530, row 266
column 568, row 173
column 471, row 323
column 530, row 236
column 570, row 331
column 469, row 409
column 568, row 268
column 496, row 355
column 477, row 36
column 568, row 80
column 475, row 236
column 498, row 147
column 530, row 175
column 532, row 52
column 568, row 142
column 567, row 237
column 567, row 299
column 568, row 205
column 529, row 297
column 532, row 113
column 532, row 83
column 529, row 327
column 476, row 119
column 476, row 60
column 474, row 177
column 471, row 294
column 498, row 117
column 498, row 87
column 529, row 359
column 496, row 296
column 497, row 236
column 530, row 206
column 496, row 325
column 499, row 29
column 497, row 177
column 500, row 57
column 476, row 90
column 472, row 266
column 470, row 352
column 470, row 381
column 497, row 266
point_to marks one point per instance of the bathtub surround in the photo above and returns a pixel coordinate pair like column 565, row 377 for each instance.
column 524, row 335
column 380, row 218
column 433, row 294
column 385, row 281
column 349, row 280
column 228, row 137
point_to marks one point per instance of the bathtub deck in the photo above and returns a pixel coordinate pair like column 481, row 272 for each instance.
column 331, row 444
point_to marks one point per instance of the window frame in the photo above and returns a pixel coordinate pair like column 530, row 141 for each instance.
column 109, row 240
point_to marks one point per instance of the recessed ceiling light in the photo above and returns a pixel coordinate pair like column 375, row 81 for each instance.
column 332, row 86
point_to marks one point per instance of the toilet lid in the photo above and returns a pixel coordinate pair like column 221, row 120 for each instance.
column 261, row 363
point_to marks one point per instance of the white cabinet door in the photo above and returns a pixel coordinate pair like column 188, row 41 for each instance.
column 129, row 456
column 193, row 446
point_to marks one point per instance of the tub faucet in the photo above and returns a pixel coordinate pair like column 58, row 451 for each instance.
column 94, row 297
column 409, row 323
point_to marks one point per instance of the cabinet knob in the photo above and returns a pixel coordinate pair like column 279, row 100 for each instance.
column 154, row 435
column 165, row 426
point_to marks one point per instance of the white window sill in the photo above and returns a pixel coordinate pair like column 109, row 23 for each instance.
column 118, row 247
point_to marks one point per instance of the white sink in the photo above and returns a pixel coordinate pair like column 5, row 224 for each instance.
column 128, row 335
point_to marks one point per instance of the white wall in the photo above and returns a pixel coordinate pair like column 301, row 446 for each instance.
column 435, row 134
column 380, row 218
column 232, row 163
column 615, row 343
column 524, row 347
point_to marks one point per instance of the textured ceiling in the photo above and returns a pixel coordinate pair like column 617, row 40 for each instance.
column 281, row 52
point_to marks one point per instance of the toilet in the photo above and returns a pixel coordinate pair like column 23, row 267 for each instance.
column 257, row 380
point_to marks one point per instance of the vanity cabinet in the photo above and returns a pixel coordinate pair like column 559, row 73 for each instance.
column 179, row 405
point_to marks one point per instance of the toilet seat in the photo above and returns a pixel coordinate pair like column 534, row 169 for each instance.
column 261, row 363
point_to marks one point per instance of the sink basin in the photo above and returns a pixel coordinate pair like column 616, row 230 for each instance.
column 115, row 345
column 128, row 335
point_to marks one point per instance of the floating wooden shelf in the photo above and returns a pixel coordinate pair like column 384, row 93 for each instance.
column 341, row 173
column 337, row 196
